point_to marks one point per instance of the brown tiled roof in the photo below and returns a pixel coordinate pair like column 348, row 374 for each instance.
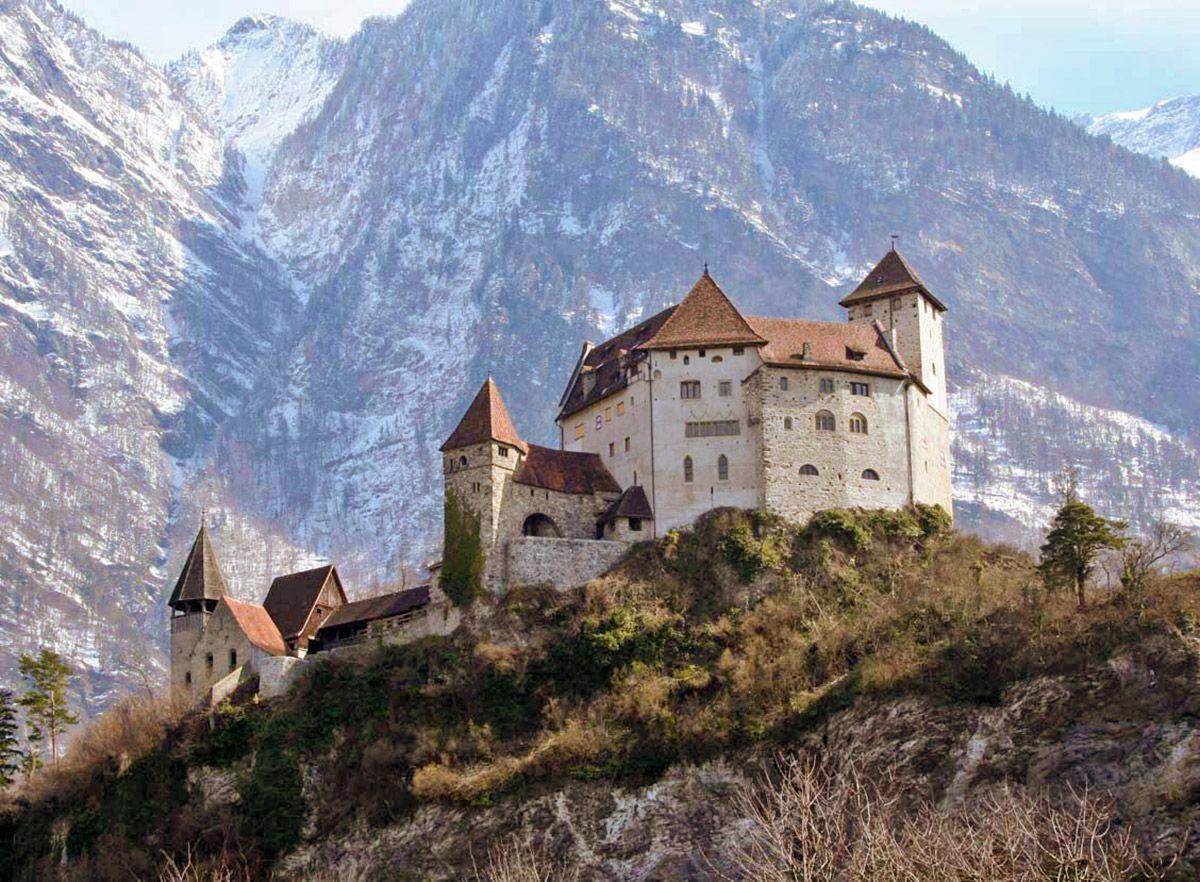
column 372, row 609
column 706, row 317
column 832, row 343
column 486, row 419
column 200, row 578
column 892, row 275
column 565, row 471
column 606, row 364
column 632, row 504
column 291, row 598
column 257, row 625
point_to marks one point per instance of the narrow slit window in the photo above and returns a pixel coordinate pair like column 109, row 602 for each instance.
column 722, row 468
column 688, row 473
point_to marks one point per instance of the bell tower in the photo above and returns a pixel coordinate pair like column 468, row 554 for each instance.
column 199, row 587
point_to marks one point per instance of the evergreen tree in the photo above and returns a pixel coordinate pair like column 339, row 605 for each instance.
column 10, row 746
column 1076, row 538
column 462, row 553
column 45, row 703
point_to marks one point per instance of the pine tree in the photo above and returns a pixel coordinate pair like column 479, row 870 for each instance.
column 1076, row 538
column 462, row 553
column 10, row 745
column 45, row 703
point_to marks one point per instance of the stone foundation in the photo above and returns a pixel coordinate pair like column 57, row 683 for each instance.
column 276, row 673
column 560, row 563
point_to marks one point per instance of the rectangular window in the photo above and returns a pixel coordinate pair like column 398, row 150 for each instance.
column 725, row 388
column 620, row 408
column 712, row 428
column 860, row 389
column 503, row 451
column 866, row 310
column 612, row 448
column 783, row 383
column 626, row 443
column 674, row 354
column 701, row 353
column 608, row 414
column 826, row 387
column 578, row 430
column 635, row 524
column 738, row 350
column 689, row 389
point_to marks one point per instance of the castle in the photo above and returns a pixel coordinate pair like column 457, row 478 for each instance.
column 700, row 407
column 695, row 408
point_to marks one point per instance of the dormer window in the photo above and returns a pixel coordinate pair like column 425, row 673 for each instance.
column 738, row 350
column 854, row 354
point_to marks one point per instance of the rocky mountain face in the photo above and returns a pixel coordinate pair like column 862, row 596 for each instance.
column 1168, row 130
column 268, row 278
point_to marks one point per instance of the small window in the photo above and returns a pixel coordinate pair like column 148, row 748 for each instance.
column 860, row 388
column 232, row 659
column 599, row 422
column 701, row 353
column 635, row 524
column 687, row 470
column 809, row 471
column 503, row 451
column 626, row 443
column 866, row 310
column 738, row 350
column 725, row 388
column 674, row 354
column 462, row 460
column 825, row 421
column 933, row 365
column 870, row 475
column 612, row 448
column 716, row 359
column 208, row 661
column 787, row 422
column 855, row 354
column 578, row 430
column 722, row 468
column 895, row 304
column 858, row 424
column 687, row 359
column 689, row 389
column 608, row 414
column 783, row 384
column 620, row 408
column 187, row 678
column 826, row 386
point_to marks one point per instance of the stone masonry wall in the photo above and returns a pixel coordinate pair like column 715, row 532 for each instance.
column 562, row 563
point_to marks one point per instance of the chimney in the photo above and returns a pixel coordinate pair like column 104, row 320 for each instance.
column 806, row 352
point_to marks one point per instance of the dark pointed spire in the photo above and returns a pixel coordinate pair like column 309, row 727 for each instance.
column 892, row 275
column 201, row 577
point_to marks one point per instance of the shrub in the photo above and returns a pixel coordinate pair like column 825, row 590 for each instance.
column 934, row 521
column 841, row 527
column 272, row 800
column 462, row 553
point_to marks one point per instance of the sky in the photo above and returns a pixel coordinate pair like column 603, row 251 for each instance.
column 1078, row 56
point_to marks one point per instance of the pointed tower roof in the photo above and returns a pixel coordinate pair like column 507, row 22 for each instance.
column 892, row 275
column 201, row 577
column 706, row 317
column 486, row 419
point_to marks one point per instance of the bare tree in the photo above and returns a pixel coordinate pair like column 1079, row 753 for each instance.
column 1138, row 559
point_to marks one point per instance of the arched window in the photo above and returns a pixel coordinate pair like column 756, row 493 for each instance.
column 722, row 468
column 809, row 470
column 825, row 421
column 783, row 383
column 462, row 460
column 858, row 424
column 716, row 359
column 870, row 475
column 687, row 470
column 787, row 422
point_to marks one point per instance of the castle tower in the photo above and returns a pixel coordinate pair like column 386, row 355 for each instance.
column 199, row 588
column 481, row 456
column 893, row 295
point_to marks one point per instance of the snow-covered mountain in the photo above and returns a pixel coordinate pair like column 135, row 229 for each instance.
column 1169, row 129
column 267, row 279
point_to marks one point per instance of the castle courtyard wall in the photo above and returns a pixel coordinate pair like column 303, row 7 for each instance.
column 560, row 563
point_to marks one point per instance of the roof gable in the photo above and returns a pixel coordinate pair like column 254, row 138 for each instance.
column 201, row 577
column 291, row 598
column 705, row 317
column 486, row 419
column 256, row 624
column 631, row 504
column 892, row 275
column 565, row 471
column 831, row 345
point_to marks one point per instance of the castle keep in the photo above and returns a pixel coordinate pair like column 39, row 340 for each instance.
column 700, row 407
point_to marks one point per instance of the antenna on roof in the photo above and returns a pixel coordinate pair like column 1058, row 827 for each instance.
column 894, row 237
column 203, row 516
column 706, row 267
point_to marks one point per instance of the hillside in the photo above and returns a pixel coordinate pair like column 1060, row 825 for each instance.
column 1168, row 130
column 614, row 727
column 265, row 280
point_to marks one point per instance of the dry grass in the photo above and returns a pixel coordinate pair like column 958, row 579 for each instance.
column 810, row 825
column 515, row 861
column 187, row 868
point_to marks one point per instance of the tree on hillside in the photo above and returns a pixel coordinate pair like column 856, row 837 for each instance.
column 10, row 745
column 462, row 554
column 1141, row 557
column 45, row 702
column 1076, row 538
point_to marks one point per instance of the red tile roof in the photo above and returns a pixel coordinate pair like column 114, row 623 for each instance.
column 255, row 622
column 892, row 275
column 831, row 345
column 291, row 598
column 200, row 578
column 706, row 317
column 607, row 364
column 486, row 419
column 565, row 471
